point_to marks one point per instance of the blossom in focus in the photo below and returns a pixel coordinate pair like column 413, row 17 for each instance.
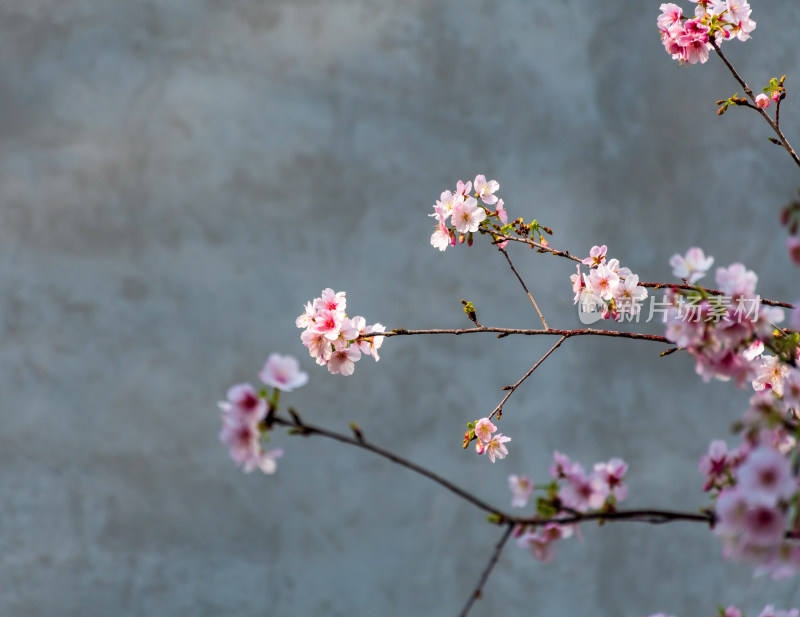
column 484, row 429
column 762, row 101
column 688, row 42
column 467, row 216
column 486, row 190
column 332, row 339
column 771, row 374
column 597, row 256
column 283, row 372
column 496, row 447
column 692, row 266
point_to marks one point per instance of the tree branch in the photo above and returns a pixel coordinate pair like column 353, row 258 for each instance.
column 499, row 409
column 784, row 142
column 503, row 332
column 477, row 592
column 524, row 286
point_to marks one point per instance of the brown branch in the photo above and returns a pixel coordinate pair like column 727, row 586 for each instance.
column 503, row 332
column 566, row 254
column 306, row 429
column 713, row 292
column 652, row 516
column 784, row 142
column 524, row 286
column 499, row 409
column 477, row 592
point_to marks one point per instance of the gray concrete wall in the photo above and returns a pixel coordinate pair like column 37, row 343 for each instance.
column 179, row 177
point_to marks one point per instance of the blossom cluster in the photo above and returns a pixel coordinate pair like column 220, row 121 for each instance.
column 333, row 339
column 688, row 39
column 571, row 491
column 244, row 414
column 755, row 486
column 608, row 288
column 726, row 331
column 732, row 611
column 459, row 214
column 487, row 442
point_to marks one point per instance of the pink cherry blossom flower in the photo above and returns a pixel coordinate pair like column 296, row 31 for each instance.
column 603, row 281
column 283, row 372
column 597, row 256
column 771, row 373
column 244, row 404
column 611, row 474
column 485, row 190
column 762, row 101
column 331, row 301
column 244, row 446
column 319, row 346
column 329, row 323
column 343, row 359
column 583, row 492
column 501, row 212
column 463, row 189
column 563, row 467
column 732, row 611
column 467, row 216
column 577, row 284
column 541, row 542
column 715, row 465
column 521, row 489
column 764, row 526
column 629, row 294
column 496, row 447
column 736, row 280
column 693, row 266
column 766, row 476
column 670, row 15
column 440, row 238
column 484, row 429
column 307, row 318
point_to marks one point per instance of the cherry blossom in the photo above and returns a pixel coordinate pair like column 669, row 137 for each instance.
column 484, row 429
column 485, row 190
column 692, row 266
column 332, row 338
column 496, row 448
column 521, row 489
column 283, row 372
column 763, row 101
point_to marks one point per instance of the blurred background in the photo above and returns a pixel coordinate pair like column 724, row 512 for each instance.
column 179, row 177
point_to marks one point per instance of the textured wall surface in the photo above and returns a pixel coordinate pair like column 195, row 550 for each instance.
column 179, row 176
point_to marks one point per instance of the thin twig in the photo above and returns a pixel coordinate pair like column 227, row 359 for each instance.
column 503, row 332
column 499, row 409
column 477, row 593
column 784, row 142
column 524, row 286
column 651, row 516
column 712, row 292
column 307, row 429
